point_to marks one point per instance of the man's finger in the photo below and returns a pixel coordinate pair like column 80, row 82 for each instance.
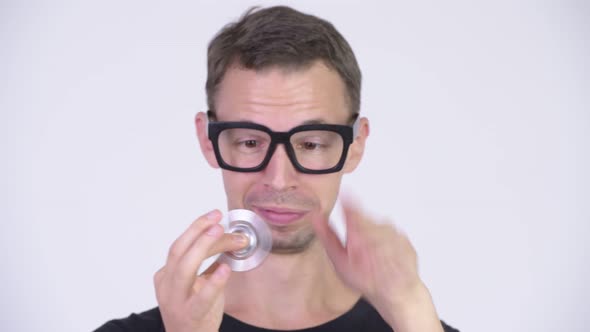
column 211, row 287
column 212, row 241
column 207, row 273
column 228, row 242
column 188, row 265
column 184, row 241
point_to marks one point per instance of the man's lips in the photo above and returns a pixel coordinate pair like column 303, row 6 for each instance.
column 279, row 216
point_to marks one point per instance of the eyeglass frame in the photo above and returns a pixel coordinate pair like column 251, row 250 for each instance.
column 347, row 132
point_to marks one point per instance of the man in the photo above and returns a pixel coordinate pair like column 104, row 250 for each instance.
column 283, row 124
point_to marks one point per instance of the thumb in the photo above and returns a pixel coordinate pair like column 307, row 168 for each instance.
column 329, row 239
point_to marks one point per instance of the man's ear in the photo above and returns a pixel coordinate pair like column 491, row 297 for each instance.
column 205, row 143
column 357, row 148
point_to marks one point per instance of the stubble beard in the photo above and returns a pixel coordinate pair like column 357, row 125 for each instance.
column 290, row 243
column 287, row 240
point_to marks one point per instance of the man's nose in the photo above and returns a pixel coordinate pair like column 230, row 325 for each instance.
column 280, row 174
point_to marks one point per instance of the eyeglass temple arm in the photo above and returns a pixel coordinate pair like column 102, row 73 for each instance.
column 210, row 118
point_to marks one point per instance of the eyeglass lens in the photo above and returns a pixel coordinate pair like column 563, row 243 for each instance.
column 313, row 149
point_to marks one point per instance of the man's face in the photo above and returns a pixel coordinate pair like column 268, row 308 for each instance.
column 280, row 100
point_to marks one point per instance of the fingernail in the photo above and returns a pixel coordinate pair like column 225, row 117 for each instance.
column 240, row 238
column 214, row 230
column 212, row 215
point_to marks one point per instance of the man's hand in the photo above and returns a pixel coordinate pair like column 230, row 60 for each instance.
column 189, row 302
column 380, row 262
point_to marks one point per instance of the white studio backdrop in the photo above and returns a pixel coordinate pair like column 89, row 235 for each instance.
column 479, row 150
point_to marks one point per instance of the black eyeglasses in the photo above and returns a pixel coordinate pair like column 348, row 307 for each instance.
column 312, row 149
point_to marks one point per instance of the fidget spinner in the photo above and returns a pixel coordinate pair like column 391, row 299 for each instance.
column 259, row 236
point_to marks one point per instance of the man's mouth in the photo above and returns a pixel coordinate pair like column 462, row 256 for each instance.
column 279, row 216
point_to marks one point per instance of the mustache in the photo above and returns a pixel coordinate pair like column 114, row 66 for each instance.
column 289, row 199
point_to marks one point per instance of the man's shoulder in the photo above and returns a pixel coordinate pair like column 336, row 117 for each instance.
column 372, row 320
column 362, row 317
column 149, row 321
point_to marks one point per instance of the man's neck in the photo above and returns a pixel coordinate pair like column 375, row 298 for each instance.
column 289, row 291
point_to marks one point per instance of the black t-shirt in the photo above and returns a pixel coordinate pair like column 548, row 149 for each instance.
column 362, row 317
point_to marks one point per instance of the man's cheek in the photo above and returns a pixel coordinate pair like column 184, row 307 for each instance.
column 235, row 188
column 324, row 193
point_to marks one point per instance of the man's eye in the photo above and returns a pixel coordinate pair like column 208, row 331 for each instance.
column 250, row 143
column 311, row 146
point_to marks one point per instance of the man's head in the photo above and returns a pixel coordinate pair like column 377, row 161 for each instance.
column 281, row 69
column 281, row 37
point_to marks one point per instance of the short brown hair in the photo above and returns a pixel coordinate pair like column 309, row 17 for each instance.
column 281, row 36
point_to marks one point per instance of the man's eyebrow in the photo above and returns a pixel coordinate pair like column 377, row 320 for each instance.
column 306, row 122
column 244, row 120
column 313, row 122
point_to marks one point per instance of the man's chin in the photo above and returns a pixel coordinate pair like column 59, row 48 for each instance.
column 294, row 245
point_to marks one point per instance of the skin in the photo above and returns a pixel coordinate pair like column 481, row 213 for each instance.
column 311, row 278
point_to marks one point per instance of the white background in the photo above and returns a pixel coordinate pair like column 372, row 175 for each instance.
column 479, row 149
